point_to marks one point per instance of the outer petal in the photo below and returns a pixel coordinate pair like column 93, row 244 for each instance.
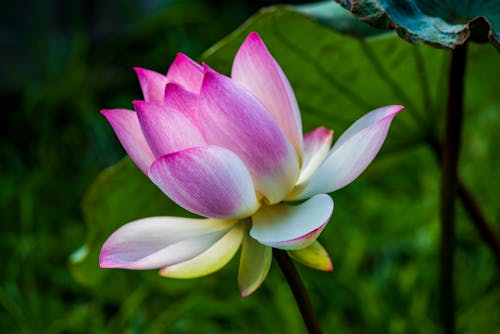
column 292, row 227
column 129, row 133
column 183, row 100
column 314, row 256
column 257, row 71
column 166, row 129
column 210, row 181
column 352, row 152
column 152, row 84
column 160, row 241
column 233, row 118
column 255, row 262
column 317, row 143
column 185, row 72
column 213, row 259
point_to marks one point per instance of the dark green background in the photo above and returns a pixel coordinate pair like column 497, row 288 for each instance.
column 63, row 62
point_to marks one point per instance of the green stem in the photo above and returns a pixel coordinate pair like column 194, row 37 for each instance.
column 299, row 291
column 449, row 164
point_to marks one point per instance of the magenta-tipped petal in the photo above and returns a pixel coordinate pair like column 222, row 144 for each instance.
column 186, row 73
column 255, row 69
column 210, row 181
column 317, row 143
column 233, row 118
column 183, row 100
column 352, row 153
column 152, row 84
column 129, row 133
column 314, row 256
column 160, row 241
column 292, row 227
column 166, row 129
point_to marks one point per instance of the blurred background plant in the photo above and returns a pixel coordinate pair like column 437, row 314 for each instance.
column 63, row 61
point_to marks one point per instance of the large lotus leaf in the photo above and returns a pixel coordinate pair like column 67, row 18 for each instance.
column 337, row 78
column 440, row 23
column 338, row 19
column 119, row 195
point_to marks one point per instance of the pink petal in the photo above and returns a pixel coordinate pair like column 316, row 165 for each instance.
column 129, row 133
column 292, row 227
column 210, row 181
column 233, row 118
column 317, row 143
column 185, row 72
column 152, row 84
column 183, row 100
column 255, row 68
column 166, row 129
column 160, row 241
column 352, row 152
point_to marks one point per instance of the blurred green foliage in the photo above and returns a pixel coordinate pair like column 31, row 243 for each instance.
column 63, row 63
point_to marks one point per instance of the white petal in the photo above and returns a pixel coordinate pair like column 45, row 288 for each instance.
column 159, row 241
column 292, row 227
column 317, row 144
column 213, row 259
column 352, row 153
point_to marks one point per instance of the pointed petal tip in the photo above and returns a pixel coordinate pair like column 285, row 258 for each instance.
column 138, row 103
column 208, row 70
column 182, row 57
column 105, row 112
column 141, row 104
column 394, row 109
column 102, row 262
column 318, row 135
column 143, row 73
column 254, row 36
column 314, row 256
column 106, row 258
column 163, row 272
column 258, row 72
column 139, row 70
column 111, row 113
column 245, row 293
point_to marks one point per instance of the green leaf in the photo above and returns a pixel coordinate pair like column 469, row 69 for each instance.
column 438, row 23
column 119, row 195
column 333, row 15
column 338, row 78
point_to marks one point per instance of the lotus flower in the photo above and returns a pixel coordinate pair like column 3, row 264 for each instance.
column 231, row 150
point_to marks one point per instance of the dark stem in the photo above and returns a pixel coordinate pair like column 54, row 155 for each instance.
column 299, row 291
column 449, row 183
column 471, row 206
column 485, row 230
